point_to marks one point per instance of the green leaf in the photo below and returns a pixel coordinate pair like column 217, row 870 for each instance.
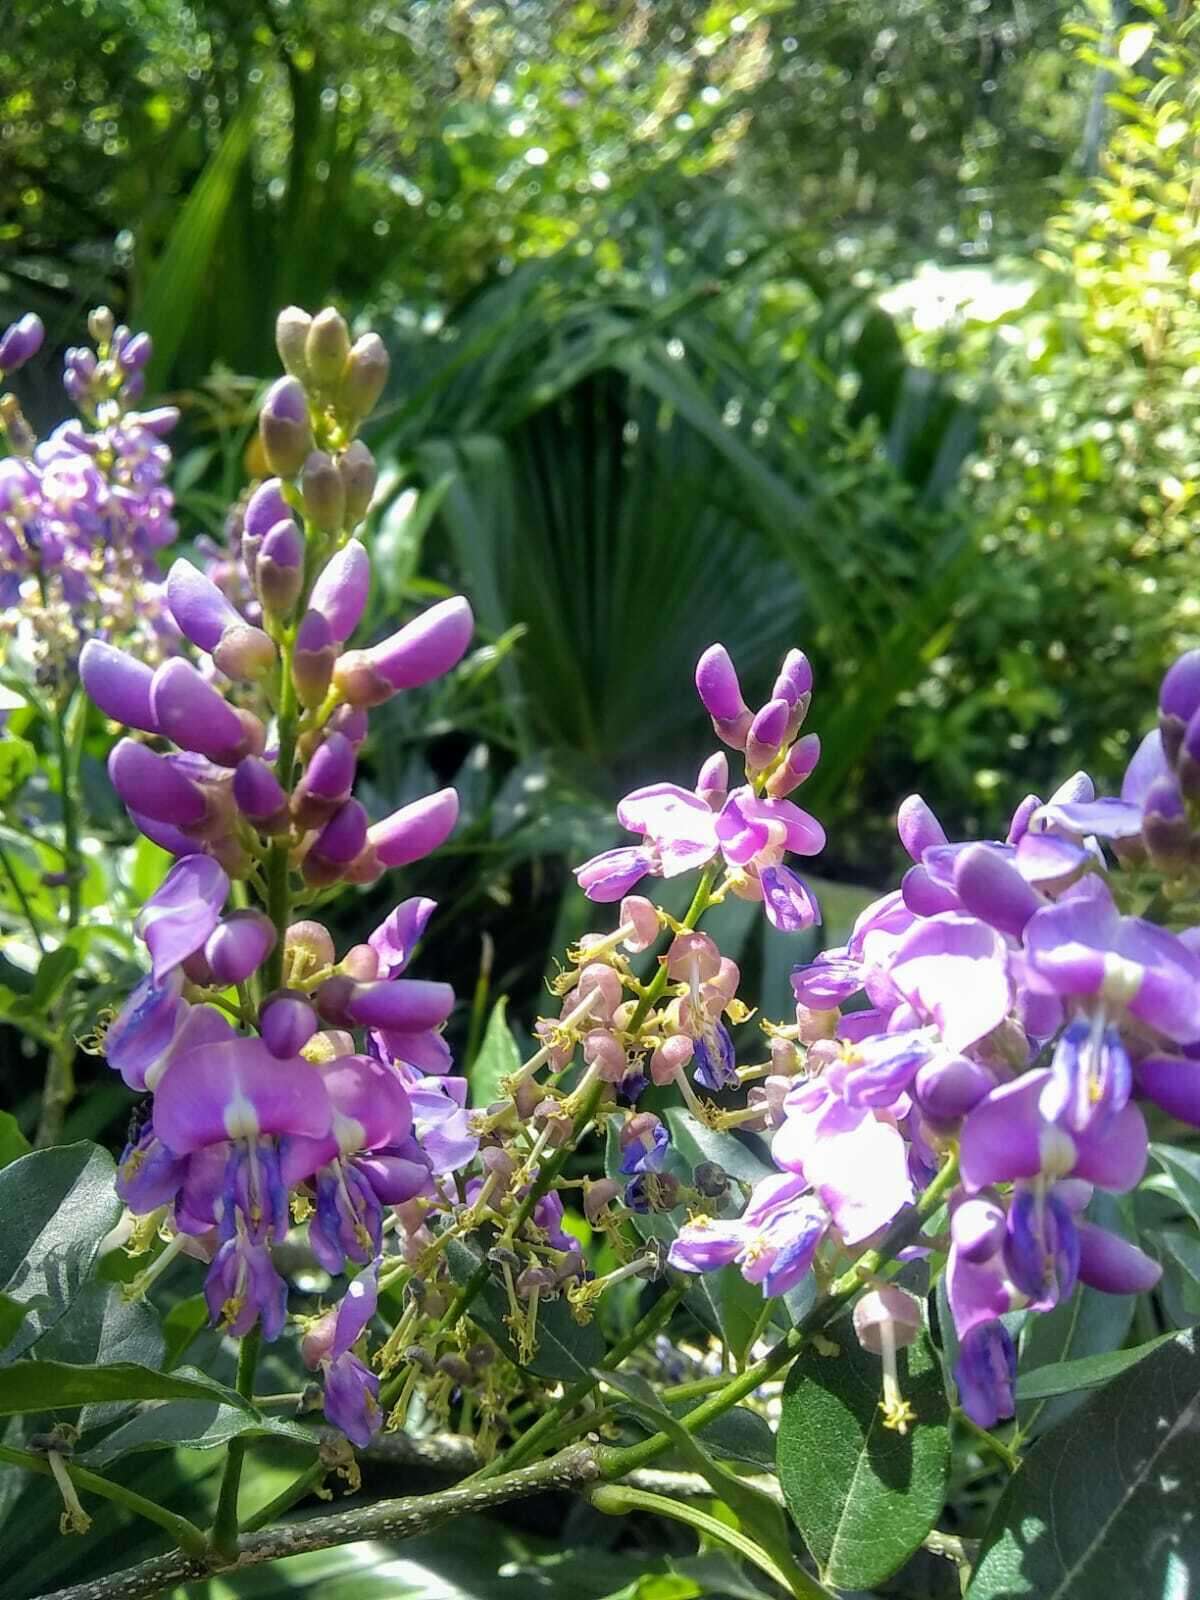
column 862, row 1496
column 1183, row 1168
column 1090, row 1323
column 53, row 971
column 32, row 1386
column 13, row 1142
column 194, row 1425
column 12, row 1314
column 565, row 1349
column 1106, row 1506
column 181, row 1325
column 1066, row 1377
column 18, row 762
column 498, row 1057
column 57, row 1206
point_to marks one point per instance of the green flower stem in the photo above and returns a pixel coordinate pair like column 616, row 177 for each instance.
column 619, row 1499
column 546, row 1177
column 225, row 1524
column 537, row 1437
column 619, row 1463
column 185, row 1534
column 287, row 1498
column 988, row 1440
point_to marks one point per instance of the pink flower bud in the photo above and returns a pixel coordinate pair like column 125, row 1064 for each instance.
column 767, row 733
column 323, row 492
column 889, row 1305
column 284, row 427
column 791, row 773
column 287, row 1022
column 279, row 568
column 638, row 911
column 602, row 1051
column 425, row 648
column 597, row 979
column 717, row 685
column 712, row 781
column 194, row 714
column 670, row 1058
column 359, row 476
column 693, row 953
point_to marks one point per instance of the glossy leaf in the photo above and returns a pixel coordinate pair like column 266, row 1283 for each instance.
column 35, row 1386
column 1107, row 1505
column 1089, row 1372
column 1183, row 1168
column 194, row 1425
column 58, row 1205
column 862, row 1496
column 498, row 1057
column 13, row 1142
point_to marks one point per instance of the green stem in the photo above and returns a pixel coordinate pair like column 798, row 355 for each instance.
column 70, row 816
column 997, row 1446
column 619, row 1463
column 225, row 1524
column 619, row 1499
column 287, row 1498
column 185, row 1534
column 465, row 1297
column 22, row 899
column 547, row 1424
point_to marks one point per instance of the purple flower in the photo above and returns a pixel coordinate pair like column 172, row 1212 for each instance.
column 787, row 900
column 237, row 1090
column 954, row 970
column 1041, row 1251
column 352, row 1399
column 242, row 1287
column 442, row 1124
column 986, row 1372
column 613, row 873
column 645, row 1144
column 856, row 1163
column 1082, row 947
column 145, row 1027
column 182, row 912
column 394, row 940
column 714, row 1064
column 1090, row 1075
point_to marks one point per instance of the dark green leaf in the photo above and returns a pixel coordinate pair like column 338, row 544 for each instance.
column 862, row 1495
column 1183, row 1168
column 565, row 1349
column 498, row 1057
column 33, row 1386
column 12, row 1313
column 1066, row 1377
column 101, row 1328
column 181, row 1325
column 13, row 1142
column 1107, row 1505
column 57, row 1205
column 195, row 1425
column 53, row 971
column 18, row 761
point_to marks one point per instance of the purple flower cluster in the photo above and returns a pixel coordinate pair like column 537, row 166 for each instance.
column 84, row 512
column 748, row 830
column 1007, row 1002
column 286, row 1082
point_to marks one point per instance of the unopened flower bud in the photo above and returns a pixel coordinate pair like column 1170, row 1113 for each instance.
column 424, row 649
column 416, row 1356
column 801, row 759
column 337, row 844
column 767, row 733
column 602, row 1050
column 20, row 342
column 291, row 332
column 119, row 684
column 313, row 659
column 265, row 508
column 693, row 954
column 323, row 491
column 239, row 945
column 245, row 653
column 1166, row 831
column 712, row 781
column 340, row 592
column 192, row 713
column 891, row 1305
column 284, row 427
column 721, row 696
column 979, row 1228
column 456, row 1369
column 640, row 914
column 100, row 324
column 416, row 830
column 279, row 568
column 363, row 376
column 1179, row 700
column 360, row 963
column 597, row 1197
column 287, row 1022
column 326, row 347
column 258, row 794
column 154, row 787
column 136, row 352
column 327, row 781
column 670, row 1058
column 602, row 982
column 359, row 477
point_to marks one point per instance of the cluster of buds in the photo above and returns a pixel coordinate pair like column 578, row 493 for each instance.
column 84, row 512
column 288, row 1084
